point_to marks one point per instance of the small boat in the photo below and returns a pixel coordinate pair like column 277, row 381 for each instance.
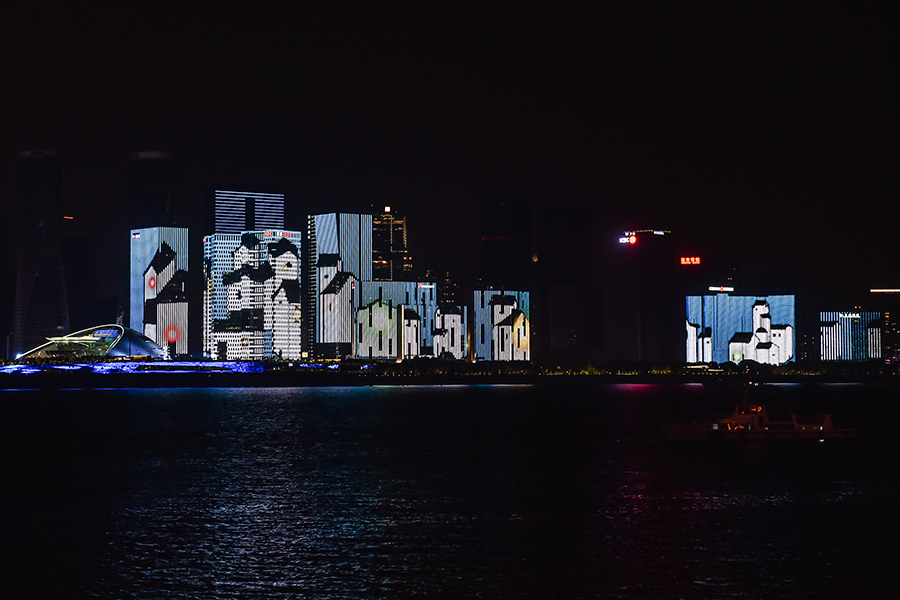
column 753, row 422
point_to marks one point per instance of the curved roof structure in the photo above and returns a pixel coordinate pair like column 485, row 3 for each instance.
column 96, row 342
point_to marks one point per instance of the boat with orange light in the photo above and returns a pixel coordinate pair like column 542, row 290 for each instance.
column 750, row 422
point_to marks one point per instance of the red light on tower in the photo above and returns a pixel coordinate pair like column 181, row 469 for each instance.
column 152, row 282
column 172, row 334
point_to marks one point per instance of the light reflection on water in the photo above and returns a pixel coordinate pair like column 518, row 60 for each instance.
column 457, row 491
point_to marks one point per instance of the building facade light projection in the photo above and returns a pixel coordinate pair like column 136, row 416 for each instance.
column 339, row 256
column 387, row 331
column 450, row 333
column 252, row 300
column 502, row 325
column 238, row 211
column 849, row 335
column 419, row 297
column 724, row 328
column 159, row 279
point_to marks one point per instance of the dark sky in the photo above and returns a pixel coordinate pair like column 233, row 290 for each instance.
column 766, row 133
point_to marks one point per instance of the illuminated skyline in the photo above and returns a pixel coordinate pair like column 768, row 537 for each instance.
column 768, row 136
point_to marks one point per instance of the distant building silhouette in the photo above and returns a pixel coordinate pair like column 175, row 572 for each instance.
column 506, row 254
column 153, row 190
column 41, row 310
column 642, row 319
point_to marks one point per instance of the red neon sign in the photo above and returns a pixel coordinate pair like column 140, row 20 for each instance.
column 172, row 334
column 690, row 260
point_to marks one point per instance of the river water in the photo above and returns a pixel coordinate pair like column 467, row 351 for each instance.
column 536, row 491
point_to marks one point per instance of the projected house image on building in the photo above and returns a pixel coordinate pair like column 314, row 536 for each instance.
column 722, row 328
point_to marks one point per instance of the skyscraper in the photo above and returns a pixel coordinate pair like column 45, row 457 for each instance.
column 41, row 310
column 252, row 301
column 338, row 255
column 252, row 305
column 390, row 254
column 642, row 318
column 159, row 286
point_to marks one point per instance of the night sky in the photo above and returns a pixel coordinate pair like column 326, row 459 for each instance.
column 765, row 134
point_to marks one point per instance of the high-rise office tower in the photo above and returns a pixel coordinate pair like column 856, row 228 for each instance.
column 849, row 335
column 642, row 316
column 159, row 286
column 252, row 306
column 338, row 255
column 887, row 301
column 41, row 310
column 390, row 254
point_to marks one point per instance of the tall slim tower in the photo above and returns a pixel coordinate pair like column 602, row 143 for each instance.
column 41, row 309
column 642, row 318
column 252, row 296
column 338, row 254
column 390, row 254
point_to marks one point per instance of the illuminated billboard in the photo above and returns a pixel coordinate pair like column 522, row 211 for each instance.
column 159, row 296
column 849, row 335
column 723, row 327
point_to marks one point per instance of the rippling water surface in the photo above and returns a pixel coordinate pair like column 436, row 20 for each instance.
column 565, row 491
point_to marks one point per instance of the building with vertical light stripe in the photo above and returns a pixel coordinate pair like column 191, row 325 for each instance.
column 159, row 280
column 502, row 327
column 450, row 333
column 417, row 296
column 338, row 256
column 849, row 335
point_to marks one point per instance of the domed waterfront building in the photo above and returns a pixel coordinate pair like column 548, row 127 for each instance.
column 103, row 341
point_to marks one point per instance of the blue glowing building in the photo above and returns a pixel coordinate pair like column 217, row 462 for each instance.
column 723, row 327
